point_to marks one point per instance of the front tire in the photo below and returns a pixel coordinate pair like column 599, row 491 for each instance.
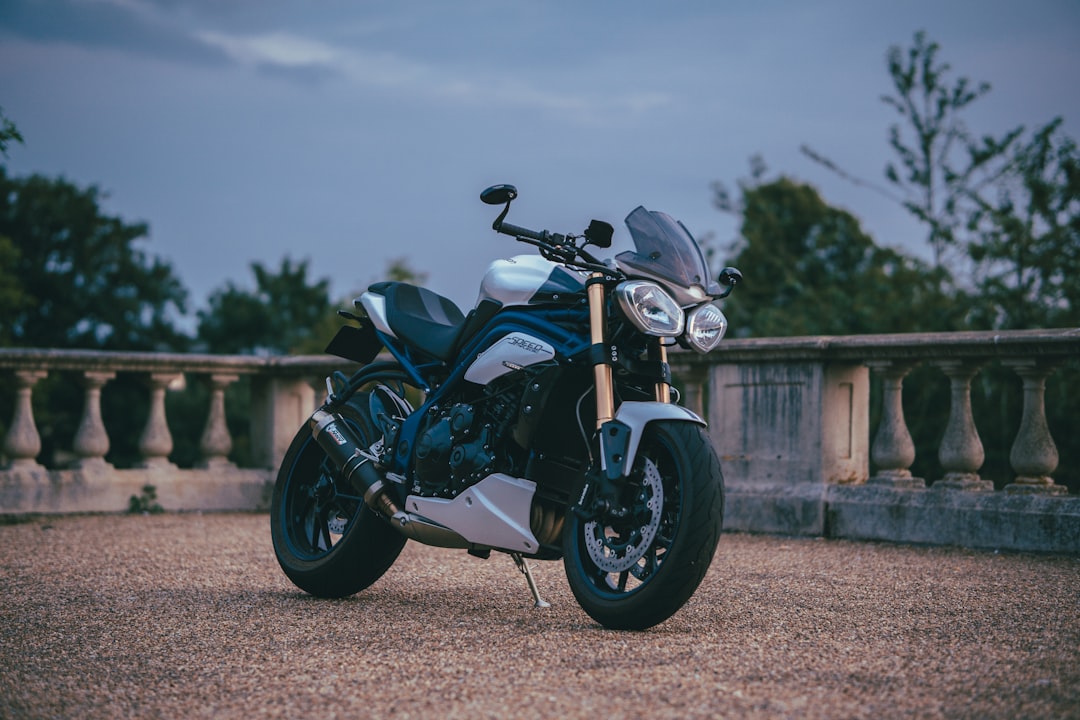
column 634, row 573
column 326, row 539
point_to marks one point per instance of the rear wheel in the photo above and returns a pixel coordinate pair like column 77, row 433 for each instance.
column 635, row 572
column 328, row 542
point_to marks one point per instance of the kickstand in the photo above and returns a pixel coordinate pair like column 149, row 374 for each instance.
column 524, row 568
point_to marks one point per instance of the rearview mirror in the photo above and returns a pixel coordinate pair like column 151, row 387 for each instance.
column 499, row 194
column 730, row 277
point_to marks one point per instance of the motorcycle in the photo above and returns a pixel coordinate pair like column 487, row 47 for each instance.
column 543, row 424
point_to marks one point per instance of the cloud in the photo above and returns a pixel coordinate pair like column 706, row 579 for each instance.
column 588, row 92
column 304, row 57
column 280, row 49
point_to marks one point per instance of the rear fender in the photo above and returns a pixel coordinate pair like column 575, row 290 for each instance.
column 620, row 438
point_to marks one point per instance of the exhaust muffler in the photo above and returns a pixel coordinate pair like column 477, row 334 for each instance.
column 358, row 467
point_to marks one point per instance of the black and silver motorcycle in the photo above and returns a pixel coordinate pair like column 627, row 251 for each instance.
column 542, row 425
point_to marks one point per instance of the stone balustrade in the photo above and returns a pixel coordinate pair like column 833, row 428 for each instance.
column 790, row 418
column 283, row 394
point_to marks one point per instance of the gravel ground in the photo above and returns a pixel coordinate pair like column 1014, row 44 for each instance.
column 189, row 616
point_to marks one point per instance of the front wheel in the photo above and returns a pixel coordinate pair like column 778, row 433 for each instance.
column 635, row 572
column 326, row 539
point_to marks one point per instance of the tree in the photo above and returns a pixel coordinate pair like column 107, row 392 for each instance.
column 76, row 277
column 811, row 270
column 13, row 297
column 942, row 169
column 399, row 270
column 8, row 133
column 1026, row 242
column 12, row 294
column 1006, row 206
column 276, row 318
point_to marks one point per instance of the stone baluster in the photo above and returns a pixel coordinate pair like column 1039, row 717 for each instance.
column 216, row 442
column 92, row 440
column 1034, row 455
column 961, row 452
column 893, row 450
column 156, row 442
column 22, row 444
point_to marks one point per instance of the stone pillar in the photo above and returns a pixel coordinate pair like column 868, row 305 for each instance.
column 279, row 406
column 216, row 442
column 92, row 440
column 22, row 444
column 1034, row 455
column 893, row 450
column 845, row 424
column 961, row 451
column 156, row 442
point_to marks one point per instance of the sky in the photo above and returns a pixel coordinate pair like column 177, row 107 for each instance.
column 351, row 133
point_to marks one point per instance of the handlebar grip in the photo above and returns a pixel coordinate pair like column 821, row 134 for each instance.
column 517, row 231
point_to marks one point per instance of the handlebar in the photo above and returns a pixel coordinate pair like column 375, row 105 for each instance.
column 553, row 247
column 517, row 231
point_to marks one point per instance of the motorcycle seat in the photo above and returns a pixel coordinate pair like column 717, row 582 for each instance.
column 422, row 318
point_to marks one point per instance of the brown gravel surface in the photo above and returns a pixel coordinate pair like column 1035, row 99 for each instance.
column 189, row 616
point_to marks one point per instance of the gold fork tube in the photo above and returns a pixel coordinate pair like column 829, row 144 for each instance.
column 662, row 392
column 605, row 391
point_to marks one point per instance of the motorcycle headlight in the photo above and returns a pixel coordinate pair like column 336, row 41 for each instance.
column 705, row 328
column 650, row 308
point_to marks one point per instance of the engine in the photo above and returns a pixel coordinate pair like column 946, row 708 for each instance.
column 465, row 442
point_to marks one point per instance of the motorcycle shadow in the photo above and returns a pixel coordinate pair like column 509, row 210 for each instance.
column 455, row 590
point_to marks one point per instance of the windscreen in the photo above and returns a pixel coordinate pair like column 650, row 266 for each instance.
column 665, row 251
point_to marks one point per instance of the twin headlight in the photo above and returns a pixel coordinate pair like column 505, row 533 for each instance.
column 654, row 312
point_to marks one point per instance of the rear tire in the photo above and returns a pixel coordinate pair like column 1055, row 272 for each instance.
column 328, row 542
column 634, row 574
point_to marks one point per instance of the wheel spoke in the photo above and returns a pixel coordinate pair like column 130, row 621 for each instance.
column 319, row 531
column 599, row 576
column 351, row 498
column 325, row 529
column 623, row 577
column 650, row 561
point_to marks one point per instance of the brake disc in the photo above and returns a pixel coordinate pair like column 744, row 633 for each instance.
column 613, row 551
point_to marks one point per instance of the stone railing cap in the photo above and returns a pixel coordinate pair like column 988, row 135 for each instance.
column 1057, row 342
column 94, row 360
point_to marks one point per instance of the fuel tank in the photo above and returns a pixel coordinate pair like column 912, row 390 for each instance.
column 529, row 279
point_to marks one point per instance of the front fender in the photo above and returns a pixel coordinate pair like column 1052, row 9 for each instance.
column 620, row 438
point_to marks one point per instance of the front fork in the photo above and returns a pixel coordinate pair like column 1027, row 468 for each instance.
column 605, row 385
column 662, row 390
column 605, row 486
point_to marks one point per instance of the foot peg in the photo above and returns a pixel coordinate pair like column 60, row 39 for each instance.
column 524, row 568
